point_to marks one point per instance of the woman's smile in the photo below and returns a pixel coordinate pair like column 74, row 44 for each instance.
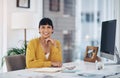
column 46, row 31
column 46, row 34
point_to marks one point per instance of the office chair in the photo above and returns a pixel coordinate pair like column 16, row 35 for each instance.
column 15, row 62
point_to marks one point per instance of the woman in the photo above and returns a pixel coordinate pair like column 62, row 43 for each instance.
column 44, row 51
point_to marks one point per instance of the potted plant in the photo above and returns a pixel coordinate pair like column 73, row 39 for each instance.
column 15, row 51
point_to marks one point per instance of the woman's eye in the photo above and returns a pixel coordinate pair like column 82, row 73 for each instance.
column 49, row 27
column 43, row 27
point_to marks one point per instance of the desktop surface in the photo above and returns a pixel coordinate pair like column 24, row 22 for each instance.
column 108, row 61
column 78, row 70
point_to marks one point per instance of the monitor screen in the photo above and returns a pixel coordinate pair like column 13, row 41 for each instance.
column 108, row 35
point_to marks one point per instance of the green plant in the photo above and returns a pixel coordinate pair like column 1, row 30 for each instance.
column 15, row 51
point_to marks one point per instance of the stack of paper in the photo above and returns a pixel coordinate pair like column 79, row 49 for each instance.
column 48, row 70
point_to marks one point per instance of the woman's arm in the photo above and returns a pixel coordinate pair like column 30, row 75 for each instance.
column 31, row 61
column 56, row 52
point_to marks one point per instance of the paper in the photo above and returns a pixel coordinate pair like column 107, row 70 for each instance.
column 48, row 70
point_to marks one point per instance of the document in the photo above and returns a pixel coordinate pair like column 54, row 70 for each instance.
column 48, row 70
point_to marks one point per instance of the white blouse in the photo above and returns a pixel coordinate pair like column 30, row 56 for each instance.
column 47, row 55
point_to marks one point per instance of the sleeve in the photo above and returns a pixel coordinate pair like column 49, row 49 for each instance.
column 31, row 61
column 56, row 54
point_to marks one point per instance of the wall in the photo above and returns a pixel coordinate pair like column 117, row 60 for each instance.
column 1, row 23
column 117, row 16
column 63, row 25
column 15, row 37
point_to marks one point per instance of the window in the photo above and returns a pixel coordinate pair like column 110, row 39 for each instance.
column 69, row 7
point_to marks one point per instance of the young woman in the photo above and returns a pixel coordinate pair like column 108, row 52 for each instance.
column 44, row 51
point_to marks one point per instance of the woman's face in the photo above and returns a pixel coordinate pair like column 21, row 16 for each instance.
column 46, row 31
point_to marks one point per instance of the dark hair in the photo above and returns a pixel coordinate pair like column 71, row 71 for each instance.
column 46, row 21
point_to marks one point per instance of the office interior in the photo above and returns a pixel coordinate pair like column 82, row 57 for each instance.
column 77, row 24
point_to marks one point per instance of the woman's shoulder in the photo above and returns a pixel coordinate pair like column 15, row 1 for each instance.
column 57, row 41
column 34, row 40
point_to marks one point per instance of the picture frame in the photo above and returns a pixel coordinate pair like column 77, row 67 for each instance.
column 54, row 5
column 23, row 3
column 91, row 54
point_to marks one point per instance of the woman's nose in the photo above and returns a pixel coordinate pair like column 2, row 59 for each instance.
column 46, row 29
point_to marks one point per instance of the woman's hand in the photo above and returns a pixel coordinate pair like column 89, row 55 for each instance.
column 50, row 40
column 56, row 64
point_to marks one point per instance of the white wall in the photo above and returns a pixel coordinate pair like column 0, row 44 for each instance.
column 1, row 23
column 117, row 16
column 15, row 37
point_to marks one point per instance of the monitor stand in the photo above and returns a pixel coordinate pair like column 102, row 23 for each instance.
column 108, row 61
column 111, row 62
column 117, row 56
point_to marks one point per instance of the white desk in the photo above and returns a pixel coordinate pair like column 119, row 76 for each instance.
column 82, row 67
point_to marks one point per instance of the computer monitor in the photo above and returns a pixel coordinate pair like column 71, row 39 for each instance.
column 108, row 34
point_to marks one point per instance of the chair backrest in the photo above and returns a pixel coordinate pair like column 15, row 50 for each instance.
column 15, row 62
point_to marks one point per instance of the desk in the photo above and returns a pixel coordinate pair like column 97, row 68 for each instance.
column 83, row 67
